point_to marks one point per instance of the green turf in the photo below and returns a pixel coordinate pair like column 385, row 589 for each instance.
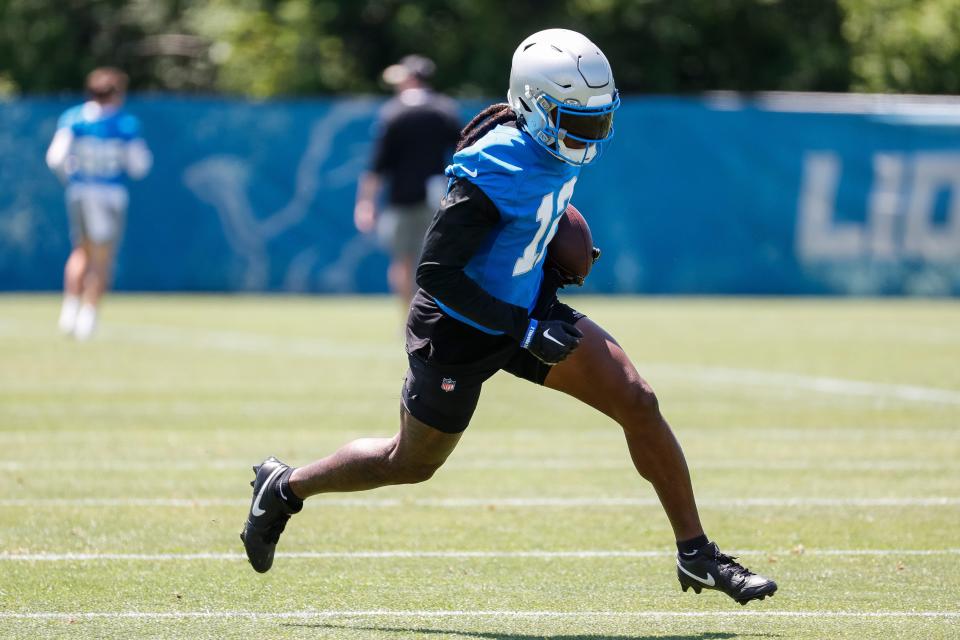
column 818, row 440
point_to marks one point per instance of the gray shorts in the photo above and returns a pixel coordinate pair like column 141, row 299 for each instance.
column 97, row 214
column 401, row 228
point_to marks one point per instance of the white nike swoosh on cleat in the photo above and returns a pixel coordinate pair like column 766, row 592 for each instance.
column 546, row 334
column 255, row 510
column 708, row 581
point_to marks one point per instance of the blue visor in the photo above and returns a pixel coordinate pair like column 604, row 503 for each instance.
column 588, row 125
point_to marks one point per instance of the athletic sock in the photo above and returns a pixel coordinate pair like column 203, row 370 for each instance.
column 691, row 546
column 86, row 322
column 68, row 313
column 285, row 493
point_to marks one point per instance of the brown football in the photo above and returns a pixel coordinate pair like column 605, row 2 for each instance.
column 571, row 250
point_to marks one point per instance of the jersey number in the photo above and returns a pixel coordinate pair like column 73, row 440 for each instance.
column 99, row 158
column 548, row 217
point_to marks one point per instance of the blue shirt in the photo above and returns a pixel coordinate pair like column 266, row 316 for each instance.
column 531, row 189
column 99, row 145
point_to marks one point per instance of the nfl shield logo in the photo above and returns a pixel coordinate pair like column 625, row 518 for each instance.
column 448, row 384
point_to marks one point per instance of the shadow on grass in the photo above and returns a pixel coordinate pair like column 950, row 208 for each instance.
column 525, row 636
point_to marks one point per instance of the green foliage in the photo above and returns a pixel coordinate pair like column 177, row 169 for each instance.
column 47, row 46
column 264, row 48
column 656, row 45
column 904, row 45
column 744, row 45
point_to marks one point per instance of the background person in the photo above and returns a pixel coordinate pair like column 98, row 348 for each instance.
column 96, row 147
column 417, row 130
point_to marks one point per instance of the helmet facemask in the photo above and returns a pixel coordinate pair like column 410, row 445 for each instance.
column 573, row 133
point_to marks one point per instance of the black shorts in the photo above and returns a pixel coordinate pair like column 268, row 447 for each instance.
column 450, row 361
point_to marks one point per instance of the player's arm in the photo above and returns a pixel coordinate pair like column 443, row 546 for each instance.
column 458, row 230
column 59, row 150
column 365, row 209
column 372, row 181
column 139, row 160
column 465, row 219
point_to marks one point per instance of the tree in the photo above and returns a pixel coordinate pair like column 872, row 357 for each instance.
column 904, row 45
column 656, row 45
column 304, row 47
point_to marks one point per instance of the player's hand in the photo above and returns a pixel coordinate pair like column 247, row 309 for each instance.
column 550, row 341
column 364, row 215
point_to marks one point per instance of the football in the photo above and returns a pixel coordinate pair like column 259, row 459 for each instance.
column 571, row 251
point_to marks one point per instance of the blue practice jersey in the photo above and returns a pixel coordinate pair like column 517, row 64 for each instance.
column 99, row 145
column 531, row 189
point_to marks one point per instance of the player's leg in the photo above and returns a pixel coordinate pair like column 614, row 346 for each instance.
column 413, row 455
column 406, row 227
column 400, row 275
column 95, row 282
column 103, row 215
column 600, row 374
column 99, row 271
column 73, row 273
column 76, row 266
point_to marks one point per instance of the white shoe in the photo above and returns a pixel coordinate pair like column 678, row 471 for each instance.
column 86, row 322
column 68, row 314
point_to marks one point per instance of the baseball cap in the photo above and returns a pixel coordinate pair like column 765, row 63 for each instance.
column 413, row 65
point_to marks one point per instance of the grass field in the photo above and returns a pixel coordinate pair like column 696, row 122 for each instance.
column 823, row 436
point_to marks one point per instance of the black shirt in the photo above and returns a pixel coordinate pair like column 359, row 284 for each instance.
column 418, row 130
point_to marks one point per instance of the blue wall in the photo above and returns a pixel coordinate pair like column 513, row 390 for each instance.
column 694, row 196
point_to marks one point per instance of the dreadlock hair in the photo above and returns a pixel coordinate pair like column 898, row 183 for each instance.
column 486, row 120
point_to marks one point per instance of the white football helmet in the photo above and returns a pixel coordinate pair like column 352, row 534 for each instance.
column 561, row 87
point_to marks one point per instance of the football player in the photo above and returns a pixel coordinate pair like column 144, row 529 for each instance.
column 485, row 304
column 97, row 146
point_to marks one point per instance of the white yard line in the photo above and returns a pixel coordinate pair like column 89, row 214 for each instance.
column 506, row 502
column 795, row 381
column 483, row 464
column 223, row 340
column 579, row 438
column 381, row 613
column 451, row 503
column 455, row 555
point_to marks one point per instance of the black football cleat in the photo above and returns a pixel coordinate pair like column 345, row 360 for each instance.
column 707, row 568
column 268, row 515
